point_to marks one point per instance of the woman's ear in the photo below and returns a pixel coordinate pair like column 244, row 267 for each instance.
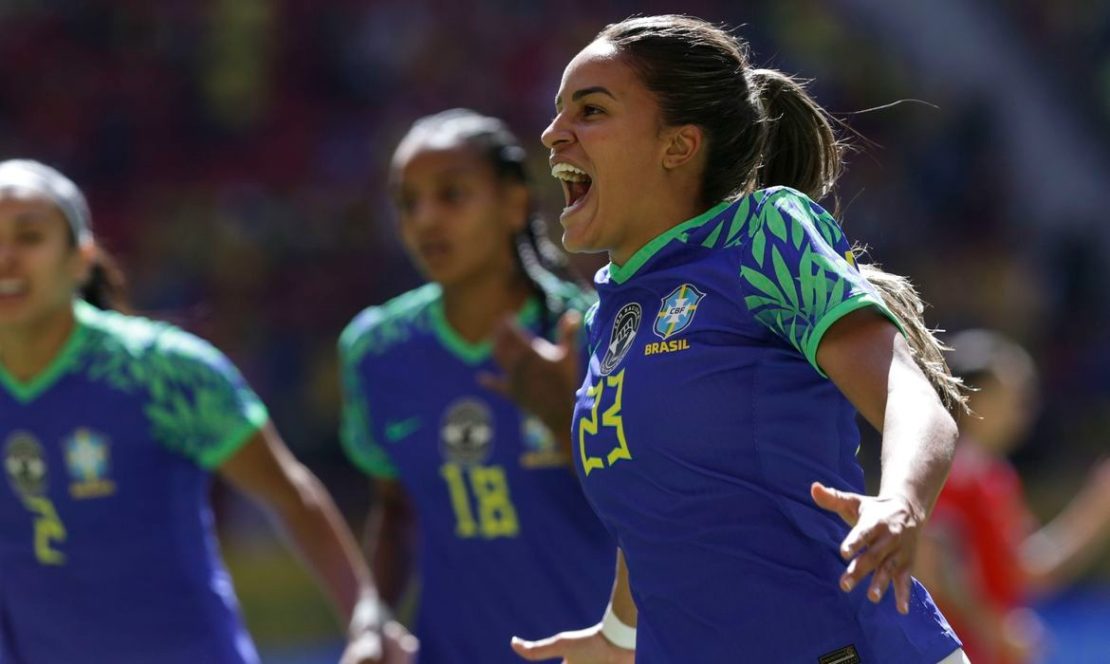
column 683, row 144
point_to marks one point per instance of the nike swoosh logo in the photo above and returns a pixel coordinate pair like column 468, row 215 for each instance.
column 395, row 431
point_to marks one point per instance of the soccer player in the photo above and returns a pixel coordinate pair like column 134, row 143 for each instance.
column 981, row 555
column 734, row 341
column 506, row 539
column 111, row 427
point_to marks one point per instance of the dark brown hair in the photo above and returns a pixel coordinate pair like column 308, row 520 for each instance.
column 762, row 129
column 106, row 287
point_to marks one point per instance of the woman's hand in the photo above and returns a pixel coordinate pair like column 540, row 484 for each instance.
column 584, row 646
column 392, row 645
column 882, row 542
column 541, row 377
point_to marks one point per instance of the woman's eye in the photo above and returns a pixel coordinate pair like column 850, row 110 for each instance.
column 591, row 110
column 452, row 195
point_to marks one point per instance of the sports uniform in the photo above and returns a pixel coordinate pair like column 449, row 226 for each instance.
column 702, row 423
column 107, row 550
column 508, row 544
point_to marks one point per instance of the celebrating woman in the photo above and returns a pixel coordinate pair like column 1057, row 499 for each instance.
column 734, row 342
column 111, row 427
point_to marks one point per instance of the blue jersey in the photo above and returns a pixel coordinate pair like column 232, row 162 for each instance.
column 701, row 424
column 107, row 551
column 508, row 544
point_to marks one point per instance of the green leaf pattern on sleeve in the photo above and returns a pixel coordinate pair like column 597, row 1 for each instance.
column 798, row 269
column 197, row 402
column 370, row 332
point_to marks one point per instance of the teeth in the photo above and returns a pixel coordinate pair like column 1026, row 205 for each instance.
column 11, row 286
column 564, row 171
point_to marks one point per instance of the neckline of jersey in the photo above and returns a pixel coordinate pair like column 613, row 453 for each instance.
column 474, row 353
column 25, row 391
column 622, row 273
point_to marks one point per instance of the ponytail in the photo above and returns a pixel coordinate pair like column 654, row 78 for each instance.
column 801, row 151
column 902, row 299
column 763, row 130
column 106, row 287
column 799, row 147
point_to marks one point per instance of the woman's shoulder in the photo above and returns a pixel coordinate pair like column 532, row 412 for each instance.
column 119, row 340
column 377, row 327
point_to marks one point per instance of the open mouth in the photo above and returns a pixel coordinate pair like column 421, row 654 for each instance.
column 434, row 251
column 12, row 287
column 576, row 182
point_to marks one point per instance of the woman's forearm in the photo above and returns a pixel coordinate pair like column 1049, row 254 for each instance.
column 389, row 541
column 321, row 537
column 919, row 436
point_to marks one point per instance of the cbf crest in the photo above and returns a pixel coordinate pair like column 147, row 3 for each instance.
column 677, row 311
column 540, row 447
column 625, row 326
column 466, row 432
column 89, row 464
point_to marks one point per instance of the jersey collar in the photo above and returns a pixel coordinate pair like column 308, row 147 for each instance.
column 474, row 353
column 25, row 391
column 619, row 274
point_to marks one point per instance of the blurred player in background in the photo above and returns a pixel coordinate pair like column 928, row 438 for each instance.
column 111, row 427
column 729, row 355
column 504, row 537
column 983, row 557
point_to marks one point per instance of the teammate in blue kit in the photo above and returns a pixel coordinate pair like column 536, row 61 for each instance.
column 501, row 517
column 715, row 430
column 111, row 427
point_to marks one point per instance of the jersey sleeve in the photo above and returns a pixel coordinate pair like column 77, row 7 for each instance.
column 798, row 272
column 355, row 432
column 199, row 405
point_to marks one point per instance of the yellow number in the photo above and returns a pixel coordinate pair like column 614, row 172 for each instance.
column 495, row 510
column 464, row 518
column 496, row 514
column 48, row 529
column 589, row 426
column 610, row 418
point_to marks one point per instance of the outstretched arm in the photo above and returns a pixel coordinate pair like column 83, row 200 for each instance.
column 611, row 641
column 1059, row 551
column 870, row 362
column 266, row 470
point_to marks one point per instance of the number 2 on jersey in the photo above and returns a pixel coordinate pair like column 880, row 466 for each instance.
column 48, row 529
column 611, row 417
column 496, row 515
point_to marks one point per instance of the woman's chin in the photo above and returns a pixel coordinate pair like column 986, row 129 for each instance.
column 577, row 237
column 575, row 243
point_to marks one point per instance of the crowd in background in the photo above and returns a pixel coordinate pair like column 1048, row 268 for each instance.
column 235, row 156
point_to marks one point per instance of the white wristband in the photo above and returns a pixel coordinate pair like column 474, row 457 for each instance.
column 616, row 632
